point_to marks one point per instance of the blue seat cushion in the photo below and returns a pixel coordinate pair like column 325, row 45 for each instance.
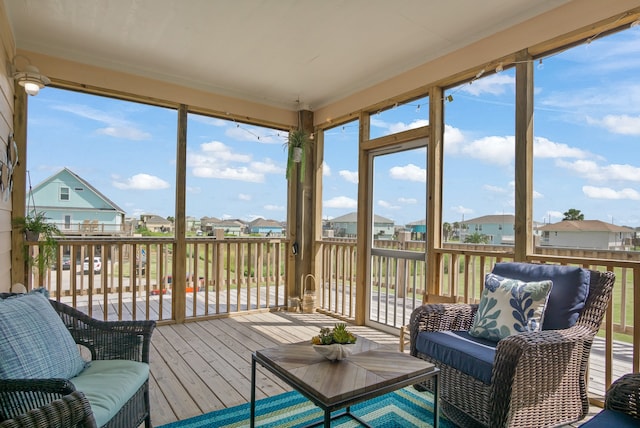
column 471, row 355
column 34, row 342
column 108, row 385
column 568, row 294
column 612, row 419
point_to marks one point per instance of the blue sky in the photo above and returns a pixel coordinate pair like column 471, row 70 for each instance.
column 586, row 126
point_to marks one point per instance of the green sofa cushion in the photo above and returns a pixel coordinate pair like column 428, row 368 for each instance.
column 108, row 385
column 34, row 342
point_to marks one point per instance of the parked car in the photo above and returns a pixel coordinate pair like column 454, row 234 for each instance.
column 66, row 263
column 97, row 265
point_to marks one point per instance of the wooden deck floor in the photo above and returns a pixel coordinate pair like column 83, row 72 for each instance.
column 203, row 366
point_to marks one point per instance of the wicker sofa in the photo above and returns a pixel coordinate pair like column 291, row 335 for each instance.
column 530, row 379
column 40, row 369
column 621, row 406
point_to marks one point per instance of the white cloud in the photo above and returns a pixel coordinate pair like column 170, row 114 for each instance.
column 494, row 189
column 271, row 207
column 141, row 182
column 388, row 205
column 266, row 167
column 544, row 148
column 461, row 210
column 393, row 128
column 340, row 202
column 116, row 126
column 500, row 150
column 409, row 172
column 618, row 124
column 401, row 126
column 494, row 150
column 408, row 201
column 244, row 197
column 453, row 139
column 496, row 84
column 555, row 214
column 537, row 195
column 592, row 171
column 350, row 176
column 608, row 193
column 194, row 190
column 127, row 133
column 229, row 173
column 217, row 160
column 223, row 152
column 326, row 169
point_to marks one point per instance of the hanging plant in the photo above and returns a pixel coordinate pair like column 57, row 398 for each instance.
column 296, row 148
column 36, row 228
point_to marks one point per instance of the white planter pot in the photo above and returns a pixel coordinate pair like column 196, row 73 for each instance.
column 297, row 154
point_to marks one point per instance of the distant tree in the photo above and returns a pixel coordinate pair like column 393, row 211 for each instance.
column 476, row 238
column 446, row 230
column 572, row 214
column 171, row 219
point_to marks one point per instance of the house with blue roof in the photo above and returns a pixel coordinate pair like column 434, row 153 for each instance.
column 75, row 206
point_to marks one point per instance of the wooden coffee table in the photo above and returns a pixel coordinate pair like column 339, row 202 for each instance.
column 369, row 372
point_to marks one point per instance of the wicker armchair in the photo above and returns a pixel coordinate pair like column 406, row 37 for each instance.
column 538, row 379
column 106, row 340
column 70, row 411
column 622, row 404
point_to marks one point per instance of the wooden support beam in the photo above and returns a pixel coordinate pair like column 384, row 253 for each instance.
column 434, row 190
column 180, row 250
column 524, row 157
column 364, row 232
column 18, row 194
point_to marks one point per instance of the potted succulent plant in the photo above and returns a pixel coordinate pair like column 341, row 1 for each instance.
column 36, row 229
column 296, row 143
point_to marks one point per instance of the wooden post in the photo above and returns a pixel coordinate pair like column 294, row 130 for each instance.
column 364, row 231
column 19, row 271
column 523, row 233
column 434, row 190
column 178, row 292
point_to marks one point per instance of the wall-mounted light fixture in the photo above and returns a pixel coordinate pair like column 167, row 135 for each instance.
column 29, row 77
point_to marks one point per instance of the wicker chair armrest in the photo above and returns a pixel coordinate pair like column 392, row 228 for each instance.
column 624, row 395
column 440, row 317
column 18, row 396
column 108, row 340
column 72, row 410
column 528, row 355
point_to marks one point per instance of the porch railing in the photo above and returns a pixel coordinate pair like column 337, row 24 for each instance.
column 134, row 278
column 398, row 285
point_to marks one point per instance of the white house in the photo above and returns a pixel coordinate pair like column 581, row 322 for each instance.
column 592, row 234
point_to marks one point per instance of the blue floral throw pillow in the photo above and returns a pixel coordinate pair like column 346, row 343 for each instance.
column 510, row 306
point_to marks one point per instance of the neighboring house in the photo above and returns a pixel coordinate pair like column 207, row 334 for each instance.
column 346, row 226
column 76, row 207
column 155, row 223
column 265, row 227
column 418, row 229
column 192, row 224
column 591, row 234
column 499, row 228
column 230, row 227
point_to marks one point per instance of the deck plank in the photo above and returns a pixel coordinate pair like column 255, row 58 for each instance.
column 202, row 366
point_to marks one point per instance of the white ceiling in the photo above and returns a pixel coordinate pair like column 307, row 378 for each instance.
column 269, row 51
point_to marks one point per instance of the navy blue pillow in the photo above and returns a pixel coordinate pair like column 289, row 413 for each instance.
column 568, row 294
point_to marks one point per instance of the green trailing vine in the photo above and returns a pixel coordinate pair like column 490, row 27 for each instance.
column 298, row 138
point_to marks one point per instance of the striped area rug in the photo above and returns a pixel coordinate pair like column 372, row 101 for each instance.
column 403, row 408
